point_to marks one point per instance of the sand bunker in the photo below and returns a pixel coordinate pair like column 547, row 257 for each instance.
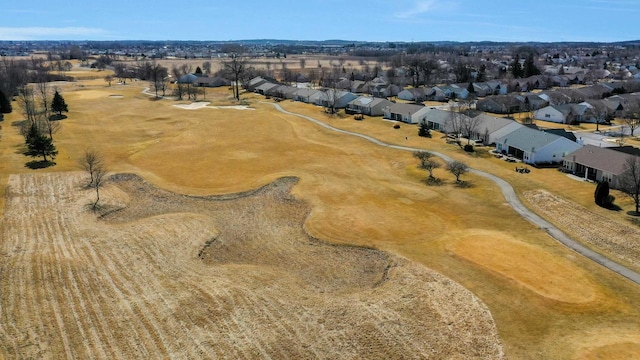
column 204, row 104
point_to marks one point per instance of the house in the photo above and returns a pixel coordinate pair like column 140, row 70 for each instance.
column 368, row 105
column 409, row 113
column 358, row 87
column 488, row 128
column 187, row 79
column 384, row 91
column 497, row 88
column 597, row 164
column 444, row 120
column 255, row 82
column 205, row 81
column 561, row 114
column 413, row 94
column 264, row 88
column 535, row 146
column 338, row 98
column 499, row 104
column 303, row 95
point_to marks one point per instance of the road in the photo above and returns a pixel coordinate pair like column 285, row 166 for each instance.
column 509, row 195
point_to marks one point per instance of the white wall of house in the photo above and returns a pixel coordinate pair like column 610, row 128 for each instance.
column 549, row 113
column 552, row 152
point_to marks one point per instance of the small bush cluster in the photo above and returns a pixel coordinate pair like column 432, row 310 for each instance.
column 468, row 148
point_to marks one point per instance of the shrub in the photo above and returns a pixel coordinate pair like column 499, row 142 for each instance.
column 468, row 148
column 601, row 194
column 396, row 126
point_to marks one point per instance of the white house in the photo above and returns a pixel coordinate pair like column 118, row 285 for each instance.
column 409, row 113
column 535, row 146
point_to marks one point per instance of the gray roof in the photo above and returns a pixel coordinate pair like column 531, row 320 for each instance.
column 405, row 109
column 491, row 123
column 527, row 139
column 368, row 101
column 605, row 159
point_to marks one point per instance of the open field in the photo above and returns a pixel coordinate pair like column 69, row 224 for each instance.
column 232, row 277
column 546, row 301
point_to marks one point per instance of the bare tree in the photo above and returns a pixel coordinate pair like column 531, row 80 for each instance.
column 235, row 67
column 93, row 163
column 630, row 180
column 90, row 162
column 157, row 76
column 108, row 79
column 631, row 116
column 470, row 127
column 457, row 168
column 427, row 161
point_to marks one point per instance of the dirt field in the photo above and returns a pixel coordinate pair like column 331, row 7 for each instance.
column 547, row 302
column 164, row 275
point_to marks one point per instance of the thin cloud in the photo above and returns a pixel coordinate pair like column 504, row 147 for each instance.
column 48, row 33
column 420, row 7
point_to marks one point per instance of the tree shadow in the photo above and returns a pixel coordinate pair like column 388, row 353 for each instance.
column 433, row 181
column 464, row 184
column 633, row 213
column 39, row 164
column 56, row 117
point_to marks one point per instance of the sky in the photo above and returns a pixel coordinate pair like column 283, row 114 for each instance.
column 368, row 20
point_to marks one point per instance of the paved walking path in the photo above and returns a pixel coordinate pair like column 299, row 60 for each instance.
column 509, row 195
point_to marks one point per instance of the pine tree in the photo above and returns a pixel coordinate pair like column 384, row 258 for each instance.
column 5, row 104
column 58, row 105
column 424, row 130
column 530, row 68
column 198, row 71
column 41, row 145
column 602, row 193
column 516, row 68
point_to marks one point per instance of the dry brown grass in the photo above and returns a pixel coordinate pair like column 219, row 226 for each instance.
column 233, row 277
column 362, row 194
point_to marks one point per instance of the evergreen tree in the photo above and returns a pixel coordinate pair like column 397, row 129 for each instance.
column 530, row 68
column 41, row 145
column 601, row 194
column 516, row 68
column 58, row 105
column 198, row 71
column 5, row 104
column 471, row 89
column 424, row 130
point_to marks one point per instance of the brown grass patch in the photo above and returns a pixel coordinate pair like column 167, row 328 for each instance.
column 614, row 238
column 528, row 265
column 168, row 275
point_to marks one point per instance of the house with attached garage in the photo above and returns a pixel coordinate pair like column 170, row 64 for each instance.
column 414, row 94
column 444, row 121
column 535, row 146
column 368, row 105
column 597, row 164
column 488, row 128
column 338, row 98
column 304, row 94
column 264, row 88
column 409, row 113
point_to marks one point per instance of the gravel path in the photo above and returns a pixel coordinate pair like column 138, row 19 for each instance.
column 509, row 195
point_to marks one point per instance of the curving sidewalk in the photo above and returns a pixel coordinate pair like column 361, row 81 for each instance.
column 509, row 195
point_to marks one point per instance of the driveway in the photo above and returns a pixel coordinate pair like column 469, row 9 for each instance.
column 509, row 195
